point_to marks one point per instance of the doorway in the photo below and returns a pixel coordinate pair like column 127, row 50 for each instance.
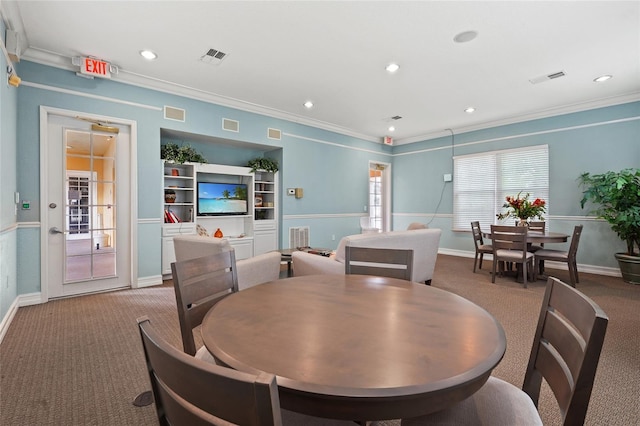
column 380, row 196
column 86, row 207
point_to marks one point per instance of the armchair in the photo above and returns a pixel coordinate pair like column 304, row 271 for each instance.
column 255, row 270
column 423, row 242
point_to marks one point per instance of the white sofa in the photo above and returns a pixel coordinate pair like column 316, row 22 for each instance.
column 252, row 271
column 423, row 242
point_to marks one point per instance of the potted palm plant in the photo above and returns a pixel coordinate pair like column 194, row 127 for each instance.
column 616, row 196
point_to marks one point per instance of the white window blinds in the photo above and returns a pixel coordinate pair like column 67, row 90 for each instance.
column 482, row 181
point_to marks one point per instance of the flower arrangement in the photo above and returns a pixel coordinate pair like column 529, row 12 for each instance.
column 523, row 209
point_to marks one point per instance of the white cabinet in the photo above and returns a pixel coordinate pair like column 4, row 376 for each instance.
column 265, row 224
column 265, row 241
column 168, row 232
column 242, row 246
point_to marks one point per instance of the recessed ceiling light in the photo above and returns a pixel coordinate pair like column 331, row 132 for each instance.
column 392, row 67
column 602, row 78
column 392, row 129
column 308, row 104
column 148, row 54
column 469, row 110
column 465, row 36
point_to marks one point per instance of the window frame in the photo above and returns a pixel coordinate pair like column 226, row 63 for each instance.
column 492, row 173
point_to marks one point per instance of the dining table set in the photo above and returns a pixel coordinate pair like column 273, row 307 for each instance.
column 357, row 347
column 360, row 347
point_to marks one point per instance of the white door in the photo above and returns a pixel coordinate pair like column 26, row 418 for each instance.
column 86, row 212
column 380, row 196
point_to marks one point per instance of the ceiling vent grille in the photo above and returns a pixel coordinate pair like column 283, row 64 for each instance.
column 547, row 77
column 172, row 113
column 213, row 56
column 230, row 125
column 274, row 134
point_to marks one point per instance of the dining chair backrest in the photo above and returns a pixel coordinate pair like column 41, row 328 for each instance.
column 566, row 349
column 575, row 240
column 199, row 284
column 392, row 263
column 188, row 391
column 477, row 234
column 539, row 226
column 505, row 237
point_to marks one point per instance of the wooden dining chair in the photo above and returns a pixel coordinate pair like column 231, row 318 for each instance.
column 565, row 353
column 510, row 246
column 384, row 262
column 569, row 257
column 188, row 391
column 199, row 284
column 481, row 247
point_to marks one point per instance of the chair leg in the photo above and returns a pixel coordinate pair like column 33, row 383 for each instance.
column 475, row 261
column 525, row 272
column 575, row 271
column 493, row 273
column 481, row 258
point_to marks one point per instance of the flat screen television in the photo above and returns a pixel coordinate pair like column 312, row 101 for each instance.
column 218, row 199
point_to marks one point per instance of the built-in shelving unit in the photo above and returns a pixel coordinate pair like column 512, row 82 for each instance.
column 179, row 178
column 251, row 234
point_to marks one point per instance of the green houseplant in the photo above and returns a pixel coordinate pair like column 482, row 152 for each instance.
column 180, row 153
column 617, row 197
column 262, row 163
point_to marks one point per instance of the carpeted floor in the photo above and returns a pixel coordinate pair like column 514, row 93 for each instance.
column 79, row 361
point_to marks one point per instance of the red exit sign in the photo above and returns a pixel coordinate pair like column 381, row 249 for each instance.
column 95, row 67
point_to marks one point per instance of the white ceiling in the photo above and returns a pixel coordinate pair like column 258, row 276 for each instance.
column 280, row 54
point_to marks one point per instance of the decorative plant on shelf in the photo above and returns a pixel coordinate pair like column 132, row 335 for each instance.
column 617, row 196
column 523, row 209
column 266, row 164
column 180, row 153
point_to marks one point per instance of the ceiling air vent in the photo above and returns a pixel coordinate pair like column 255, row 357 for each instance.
column 230, row 125
column 213, row 56
column 172, row 113
column 547, row 77
column 274, row 134
column 396, row 117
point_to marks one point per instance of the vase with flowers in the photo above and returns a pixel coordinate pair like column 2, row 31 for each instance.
column 520, row 207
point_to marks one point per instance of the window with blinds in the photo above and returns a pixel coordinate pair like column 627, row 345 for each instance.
column 482, row 181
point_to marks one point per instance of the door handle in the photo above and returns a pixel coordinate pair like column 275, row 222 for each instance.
column 53, row 230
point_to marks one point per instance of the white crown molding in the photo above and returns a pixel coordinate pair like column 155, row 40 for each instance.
column 550, row 112
column 55, row 60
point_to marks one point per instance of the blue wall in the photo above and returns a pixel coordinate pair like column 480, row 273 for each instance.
column 331, row 168
column 592, row 141
column 8, row 186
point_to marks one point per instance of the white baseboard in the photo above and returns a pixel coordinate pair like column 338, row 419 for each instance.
column 149, row 281
column 587, row 269
column 6, row 321
column 18, row 302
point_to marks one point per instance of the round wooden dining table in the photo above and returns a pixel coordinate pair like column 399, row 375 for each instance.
column 357, row 347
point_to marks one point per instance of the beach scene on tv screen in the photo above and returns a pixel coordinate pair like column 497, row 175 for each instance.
column 222, row 198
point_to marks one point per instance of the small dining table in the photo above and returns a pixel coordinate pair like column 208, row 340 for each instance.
column 357, row 347
column 537, row 237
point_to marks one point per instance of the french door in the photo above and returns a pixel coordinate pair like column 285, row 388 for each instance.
column 86, row 207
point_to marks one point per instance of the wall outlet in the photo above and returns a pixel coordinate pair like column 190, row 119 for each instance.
column 333, row 237
column 291, row 191
column 448, row 177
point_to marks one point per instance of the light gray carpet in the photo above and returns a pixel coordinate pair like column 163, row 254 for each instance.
column 79, row 361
